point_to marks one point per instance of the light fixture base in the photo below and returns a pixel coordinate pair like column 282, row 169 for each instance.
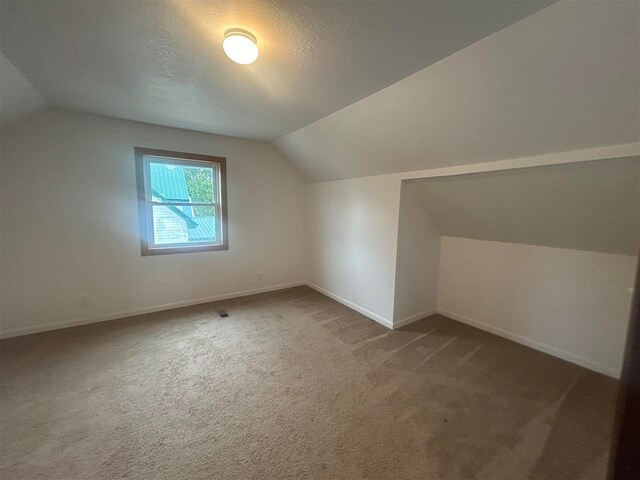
column 242, row 32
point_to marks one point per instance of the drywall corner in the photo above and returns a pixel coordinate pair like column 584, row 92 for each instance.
column 417, row 260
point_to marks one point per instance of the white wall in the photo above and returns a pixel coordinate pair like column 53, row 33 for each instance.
column 352, row 233
column 570, row 303
column 70, row 222
column 70, row 228
column 352, row 229
column 418, row 257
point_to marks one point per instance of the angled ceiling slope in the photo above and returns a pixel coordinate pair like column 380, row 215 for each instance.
column 593, row 206
column 18, row 98
column 564, row 78
column 161, row 61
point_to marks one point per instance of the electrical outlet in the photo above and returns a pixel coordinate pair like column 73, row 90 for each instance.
column 83, row 301
column 259, row 276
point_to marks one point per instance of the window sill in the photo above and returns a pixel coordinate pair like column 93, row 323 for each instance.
column 169, row 250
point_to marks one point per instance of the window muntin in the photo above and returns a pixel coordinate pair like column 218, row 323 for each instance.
column 182, row 202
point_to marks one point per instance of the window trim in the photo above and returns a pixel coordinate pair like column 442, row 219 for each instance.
column 145, row 204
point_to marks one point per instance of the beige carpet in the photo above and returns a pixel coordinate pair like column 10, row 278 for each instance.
column 294, row 385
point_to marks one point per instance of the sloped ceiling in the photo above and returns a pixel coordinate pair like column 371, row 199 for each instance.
column 18, row 98
column 565, row 78
column 593, row 206
column 161, row 61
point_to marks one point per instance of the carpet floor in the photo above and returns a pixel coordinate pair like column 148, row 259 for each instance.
column 295, row 385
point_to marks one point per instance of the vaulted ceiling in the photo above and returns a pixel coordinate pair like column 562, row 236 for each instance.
column 161, row 61
column 593, row 206
column 565, row 78
column 343, row 89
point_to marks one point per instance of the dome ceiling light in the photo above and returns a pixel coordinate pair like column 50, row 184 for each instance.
column 240, row 46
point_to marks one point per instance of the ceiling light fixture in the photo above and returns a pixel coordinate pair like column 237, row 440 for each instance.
column 240, row 46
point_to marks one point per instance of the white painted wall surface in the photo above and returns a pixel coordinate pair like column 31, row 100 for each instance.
column 352, row 228
column 570, row 303
column 418, row 260
column 70, row 222
column 352, row 234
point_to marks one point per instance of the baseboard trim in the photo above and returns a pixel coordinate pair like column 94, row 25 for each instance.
column 414, row 318
column 44, row 327
column 543, row 347
column 367, row 313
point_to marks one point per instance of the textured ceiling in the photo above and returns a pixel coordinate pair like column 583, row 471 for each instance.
column 161, row 61
column 592, row 206
column 564, row 78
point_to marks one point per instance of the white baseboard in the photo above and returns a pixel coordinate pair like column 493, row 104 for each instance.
column 414, row 318
column 43, row 327
column 373, row 316
column 563, row 354
column 543, row 347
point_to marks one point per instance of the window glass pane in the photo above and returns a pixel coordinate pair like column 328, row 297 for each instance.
column 183, row 225
column 180, row 183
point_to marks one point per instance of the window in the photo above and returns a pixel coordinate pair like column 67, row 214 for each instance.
column 181, row 202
